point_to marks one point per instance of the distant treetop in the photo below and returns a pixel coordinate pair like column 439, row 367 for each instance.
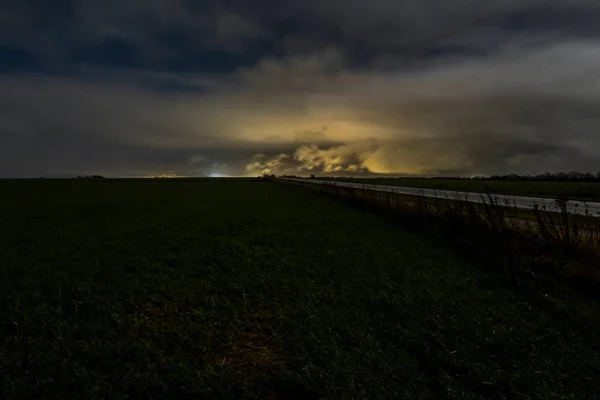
column 572, row 176
column 89, row 177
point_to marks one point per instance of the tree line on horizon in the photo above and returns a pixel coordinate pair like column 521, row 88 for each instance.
column 572, row 176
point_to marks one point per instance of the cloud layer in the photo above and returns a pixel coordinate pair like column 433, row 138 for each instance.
column 346, row 87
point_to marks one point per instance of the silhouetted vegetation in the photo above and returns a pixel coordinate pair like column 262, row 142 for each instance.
column 572, row 176
column 582, row 188
column 570, row 241
column 90, row 177
column 268, row 177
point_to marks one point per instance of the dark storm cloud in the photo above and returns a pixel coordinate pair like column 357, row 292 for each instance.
column 161, row 32
column 345, row 86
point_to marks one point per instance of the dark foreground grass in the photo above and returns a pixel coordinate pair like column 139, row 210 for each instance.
column 248, row 289
column 588, row 191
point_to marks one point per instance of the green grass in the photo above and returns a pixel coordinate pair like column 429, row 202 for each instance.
column 589, row 191
column 249, row 289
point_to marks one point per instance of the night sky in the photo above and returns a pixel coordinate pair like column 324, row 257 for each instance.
column 239, row 88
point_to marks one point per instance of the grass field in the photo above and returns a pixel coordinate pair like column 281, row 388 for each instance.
column 589, row 191
column 249, row 289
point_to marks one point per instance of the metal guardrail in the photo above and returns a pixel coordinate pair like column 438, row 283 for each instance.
column 521, row 202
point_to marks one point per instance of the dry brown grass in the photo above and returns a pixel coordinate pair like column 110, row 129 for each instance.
column 159, row 316
column 254, row 350
column 570, row 241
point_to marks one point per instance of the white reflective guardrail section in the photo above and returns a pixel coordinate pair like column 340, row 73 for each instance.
column 573, row 206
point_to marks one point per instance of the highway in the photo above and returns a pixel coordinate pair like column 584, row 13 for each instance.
column 573, row 206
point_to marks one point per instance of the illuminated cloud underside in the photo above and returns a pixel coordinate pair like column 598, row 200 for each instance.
column 527, row 105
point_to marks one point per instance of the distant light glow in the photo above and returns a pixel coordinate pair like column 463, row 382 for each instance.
column 217, row 175
column 167, row 175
